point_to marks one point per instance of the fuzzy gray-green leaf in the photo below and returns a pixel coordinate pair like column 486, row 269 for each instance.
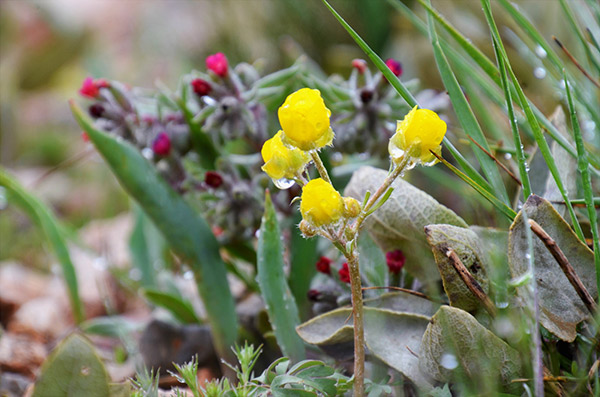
column 453, row 336
column 399, row 223
column 561, row 309
column 466, row 244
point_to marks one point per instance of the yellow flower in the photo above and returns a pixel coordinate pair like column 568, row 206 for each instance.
column 281, row 161
column 305, row 120
column 321, row 204
column 421, row 131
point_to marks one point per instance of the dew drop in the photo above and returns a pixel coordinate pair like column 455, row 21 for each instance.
column 540, row 52
column 448, row 361
column 209, row 101
column 3, row 199
column 135, row 274
column 539, row 73
column 507, row 156
column 502, row 304
column 528, row 256
column 526, row 167
column 257, row 233
column 283, row 183
column 100, row 263
column 188, row 275
column 85, row 371
column 147, row 153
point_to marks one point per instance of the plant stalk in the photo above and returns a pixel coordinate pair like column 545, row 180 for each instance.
column 358, row 317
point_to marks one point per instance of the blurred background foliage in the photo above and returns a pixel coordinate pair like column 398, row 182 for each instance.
column 47, row 47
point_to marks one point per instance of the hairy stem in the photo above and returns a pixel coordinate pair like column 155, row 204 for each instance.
column 358, row 316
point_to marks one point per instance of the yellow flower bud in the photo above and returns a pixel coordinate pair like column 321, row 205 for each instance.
column 307, row 230
column 421, row 131
column 321, row 204
column 304, row 119
column 281, row 161
column 351, row 207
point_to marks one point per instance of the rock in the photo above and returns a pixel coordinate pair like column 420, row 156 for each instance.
column 13, row 385
column 18, row 284
column 44, row 318
column 20, row 354
column 162, row 344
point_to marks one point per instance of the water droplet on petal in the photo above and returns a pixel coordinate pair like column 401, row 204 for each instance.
column 283, row 183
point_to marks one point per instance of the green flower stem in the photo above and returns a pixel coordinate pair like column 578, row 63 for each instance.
column 395, row 173
column 320, row 166
column 359, row 331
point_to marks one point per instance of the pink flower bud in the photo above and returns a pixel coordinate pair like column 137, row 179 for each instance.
column 344, row 273
column 213, row 179
column 162, row 144
column 395, row 66
column 324, row 265
column 395, row 261
column 85, row 137
column 96, row 110
column 360, row 65
column 201, row 87
column 217, row 63
column 88, row 88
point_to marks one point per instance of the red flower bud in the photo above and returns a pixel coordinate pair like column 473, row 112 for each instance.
column 344, row 273
column 91, row 88
column 395, row 261
column 360, row 65
column 201, row 87
column 395, row 66
column 217, row 63
column 96, row 110
column 313, row 295
column 162, row 144
column 324, row 265
column 213, row 179
column 88, row 88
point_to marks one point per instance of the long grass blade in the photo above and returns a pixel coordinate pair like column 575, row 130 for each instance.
column 465, row 115
column 533, row 122
column 42, row 215
column 582, row 165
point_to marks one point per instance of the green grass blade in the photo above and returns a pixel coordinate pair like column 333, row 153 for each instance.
column 479, row 57
column 187, row 233
column 533, row 122
column 280, row 304
column 42, row 215
column 578, row 33
column 403, row 91
column 180, row 308
column 465, row 116
column 503, row 208
column 521, row 160
column 582, row 165
column 391, row 77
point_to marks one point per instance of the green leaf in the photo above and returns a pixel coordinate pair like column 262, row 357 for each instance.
column 372, row 261
column 112, row 326
column 454, row 338
column 42, row 215
column 303, row 256
column 399, row 223
column 468, row 248
column 73, row 369
column 180, row 308
column 561, row 309
column 140, row 249
column 187, row 233
column 403, row 302
column 280, row 304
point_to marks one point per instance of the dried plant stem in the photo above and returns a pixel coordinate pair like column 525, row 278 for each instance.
column 490, row 155
column 564, row 264
column 359, row 332
column 577, row 64
column 471, row 283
